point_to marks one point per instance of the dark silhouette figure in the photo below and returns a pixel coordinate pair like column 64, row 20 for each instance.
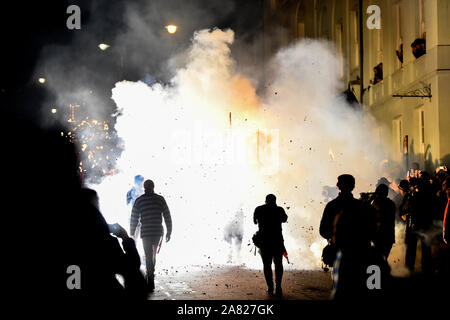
column 385, row 220
column 61, row 226
column 136, row 190
column 149, row 209
column 399, row 53
column 269, row 218
column 415, row 212
column 398, row 199
column 418, row 47
column 349, row 224
column 378, row 73
column 391, row 193
column 124, row 259
column 446, row 218
column 444, row 261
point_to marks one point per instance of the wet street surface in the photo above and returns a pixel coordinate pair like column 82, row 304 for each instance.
column 236, row 283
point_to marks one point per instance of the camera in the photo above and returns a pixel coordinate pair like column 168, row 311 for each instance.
column 367, row 196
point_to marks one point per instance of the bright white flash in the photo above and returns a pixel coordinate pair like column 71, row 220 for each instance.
column 209, row 166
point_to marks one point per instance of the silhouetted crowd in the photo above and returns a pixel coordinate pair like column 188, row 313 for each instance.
column 56, row 239
column 423, row 209
column 54, row 228
column 361, row 232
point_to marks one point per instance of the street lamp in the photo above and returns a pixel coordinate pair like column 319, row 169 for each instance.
column 54, row 110
column 41, row 80
column 171, row 28
column 103, row 46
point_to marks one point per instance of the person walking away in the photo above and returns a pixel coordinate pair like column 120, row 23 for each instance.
column 135, row 192
column 149, row 209
column 415, row 212
column 349, row 225
column 269, row 218
column 385, row 220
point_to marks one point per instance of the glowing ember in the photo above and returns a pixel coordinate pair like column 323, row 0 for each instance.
column 330, row 152
column 96, row 144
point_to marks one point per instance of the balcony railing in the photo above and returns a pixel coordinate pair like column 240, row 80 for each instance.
column 437, row 58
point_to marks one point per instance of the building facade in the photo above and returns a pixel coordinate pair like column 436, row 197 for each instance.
column 410, row 98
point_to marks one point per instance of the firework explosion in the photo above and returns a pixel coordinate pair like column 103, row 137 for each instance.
column 98, row 145
column 215, row 147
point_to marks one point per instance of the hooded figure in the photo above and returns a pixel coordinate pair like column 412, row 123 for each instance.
column 136, row 190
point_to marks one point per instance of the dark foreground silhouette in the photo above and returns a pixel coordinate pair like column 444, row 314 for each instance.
column 54, row 225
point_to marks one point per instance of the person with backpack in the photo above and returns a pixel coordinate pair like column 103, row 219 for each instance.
column 349, row 226
column 269, row 218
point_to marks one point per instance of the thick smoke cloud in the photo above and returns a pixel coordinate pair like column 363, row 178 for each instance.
column 140, row 48
column 214, row 147
column 212, row 142
column 139, row 45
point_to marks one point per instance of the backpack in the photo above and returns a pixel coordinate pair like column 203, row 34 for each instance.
column 257, row 239
column 329, row 254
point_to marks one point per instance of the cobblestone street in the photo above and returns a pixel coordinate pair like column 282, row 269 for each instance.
column 237, row 283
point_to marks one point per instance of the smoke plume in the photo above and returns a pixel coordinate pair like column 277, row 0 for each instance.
column 214, row 147
column 197, row 123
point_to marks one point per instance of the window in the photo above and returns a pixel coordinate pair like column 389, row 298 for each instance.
column 324, row 33
column 421, row 22
column 340, row 49
column 398, row 134
column 399, row 37
column 354, row 36
column 379, row 133
column 421, row 112
column 418, row 46
column 301, row 20
column 376, row 55
column 301, row 29
column 273, row 4
column 380, row 43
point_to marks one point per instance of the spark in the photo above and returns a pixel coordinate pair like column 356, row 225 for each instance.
column 330, row 152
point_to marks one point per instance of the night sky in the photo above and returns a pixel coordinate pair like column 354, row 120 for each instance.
column 29, row 29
